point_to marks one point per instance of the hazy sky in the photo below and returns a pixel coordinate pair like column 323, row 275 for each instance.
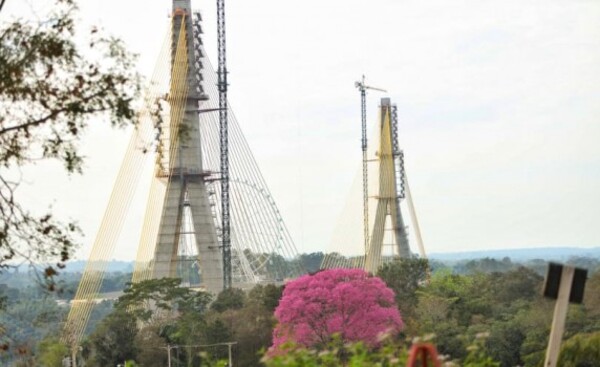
column 499, row 105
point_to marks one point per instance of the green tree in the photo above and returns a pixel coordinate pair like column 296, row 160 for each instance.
column 488, row 265
column 582, row 350
column 354, row 354
column 193, row 302
column 50, row 89
column 592, row 296
column 505, row 342
column 236, row 316
column 477, row 355
column 312, row 262
column 405, row 277
column 518, row 284
column 267, row 296
column 535, row 321
column 229, row 299
column 252, row 328
column 145, row 298
column 190, row 326
column 438, row 309
column 150, row 347
column 26, row 321
column 589, row 263
column 51, row 353
column 113, row 341
column 169, row 314
column 217, row 331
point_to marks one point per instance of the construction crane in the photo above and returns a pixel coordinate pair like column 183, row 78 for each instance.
column 224, row 140
column 362, row 87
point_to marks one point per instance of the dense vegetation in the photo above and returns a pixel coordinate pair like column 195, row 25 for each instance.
column 490, row 306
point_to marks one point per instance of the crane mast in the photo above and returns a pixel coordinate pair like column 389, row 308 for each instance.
column 363, row 104
column 224, row 147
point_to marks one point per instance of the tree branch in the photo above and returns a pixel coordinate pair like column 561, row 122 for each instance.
column 55, row 113
column 1, row 4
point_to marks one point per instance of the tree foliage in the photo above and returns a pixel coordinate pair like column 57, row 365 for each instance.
column 311, row 262
column 148, row 298
column 229, row 299
column 113, row 341
column 334, row 355
column 267, row 296
column 50, row 90
column 347, row 302
column 582, row 350
column 29, row 316
column 391, row 353
column 164, row 313
column 452, row 311
column 150, row 347
column 405, row 277
column 592, row 296
column 52, row 353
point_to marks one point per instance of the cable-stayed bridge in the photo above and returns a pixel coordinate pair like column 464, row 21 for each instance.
column 180, row 130
column 210, row 218
column 369, row 241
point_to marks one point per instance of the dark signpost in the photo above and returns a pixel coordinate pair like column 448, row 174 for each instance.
column 564, row 284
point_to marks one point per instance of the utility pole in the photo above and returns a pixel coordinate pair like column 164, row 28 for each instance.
column 168, row 348
column 169, row 355
column 229, row 353
column 228, row 344
column 363, row 104
column 224, row 139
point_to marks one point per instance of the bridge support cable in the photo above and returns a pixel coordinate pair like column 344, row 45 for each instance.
column 388, row 234
column 143, row 265
column 266, row 230
column 110, row 227
column 414, row 220
column 402, row 248
column 173, row 73
column 262, row 235
column 186, row 194
column 359, row 261
column 389, row 197
column 386, row 194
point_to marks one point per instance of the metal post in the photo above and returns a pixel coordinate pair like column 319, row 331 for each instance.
column 74, row 356
column 230, row 361
column 169, row 354
column 560, row 316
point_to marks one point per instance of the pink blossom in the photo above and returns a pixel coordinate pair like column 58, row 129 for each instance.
column 347, row 302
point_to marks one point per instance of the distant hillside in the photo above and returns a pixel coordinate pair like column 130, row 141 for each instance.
column 518, row 255
column 78, row 266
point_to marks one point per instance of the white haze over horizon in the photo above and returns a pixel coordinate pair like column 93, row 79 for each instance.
column 499, row 105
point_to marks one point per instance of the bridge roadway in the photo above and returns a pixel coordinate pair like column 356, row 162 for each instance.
column 111, row 296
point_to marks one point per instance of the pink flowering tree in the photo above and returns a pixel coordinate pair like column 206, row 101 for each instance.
column 346, row 302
